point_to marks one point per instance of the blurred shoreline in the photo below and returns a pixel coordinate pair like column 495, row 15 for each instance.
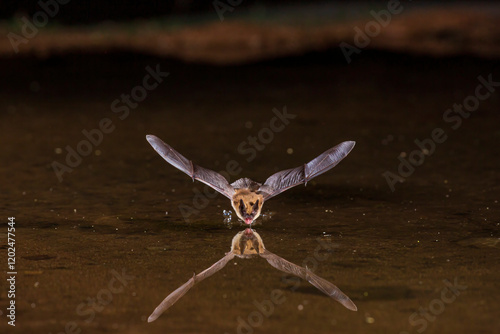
column 434, row 30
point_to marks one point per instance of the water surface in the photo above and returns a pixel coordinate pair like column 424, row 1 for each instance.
column 117, row 212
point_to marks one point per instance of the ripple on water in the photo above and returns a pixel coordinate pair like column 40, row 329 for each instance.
column 480, row 242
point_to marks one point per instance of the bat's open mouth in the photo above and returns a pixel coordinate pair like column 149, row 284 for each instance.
column 248, row 221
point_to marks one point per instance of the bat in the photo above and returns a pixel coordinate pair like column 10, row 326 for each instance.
column 247, row 244
column 247, row 196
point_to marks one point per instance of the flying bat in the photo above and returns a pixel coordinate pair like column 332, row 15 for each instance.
column 247, row 196
column 247, row 244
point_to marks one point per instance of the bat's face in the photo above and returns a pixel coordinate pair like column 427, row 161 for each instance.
column 247, row 243
column 247, row 205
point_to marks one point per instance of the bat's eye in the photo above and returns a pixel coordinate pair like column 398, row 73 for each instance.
column 242, row 206
column 251, row 203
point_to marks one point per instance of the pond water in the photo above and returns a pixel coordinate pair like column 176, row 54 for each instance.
column 98, row 251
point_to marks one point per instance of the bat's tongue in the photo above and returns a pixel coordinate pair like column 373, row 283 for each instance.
column 248, row 221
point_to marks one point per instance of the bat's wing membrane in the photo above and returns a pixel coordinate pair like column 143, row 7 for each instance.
column 181, row 291
column 281, row 181
column 321, row 284
column 207, row 176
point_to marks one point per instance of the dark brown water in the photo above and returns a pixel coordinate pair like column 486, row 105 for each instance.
column 391, row 252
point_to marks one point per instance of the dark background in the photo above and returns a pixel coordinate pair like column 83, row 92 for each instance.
column 84, row 12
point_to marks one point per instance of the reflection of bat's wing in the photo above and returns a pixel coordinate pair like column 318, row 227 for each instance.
column 207, row 176
column 286, row 179
column 321, row 284
column 181, row 291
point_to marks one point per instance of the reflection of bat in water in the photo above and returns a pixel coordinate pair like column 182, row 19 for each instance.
column 247, row 196
column 247, row 244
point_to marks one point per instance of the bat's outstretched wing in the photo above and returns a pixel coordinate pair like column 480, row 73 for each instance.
column 207, row 176
column 289, row 178
column 321, row 284
column 181, row 291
